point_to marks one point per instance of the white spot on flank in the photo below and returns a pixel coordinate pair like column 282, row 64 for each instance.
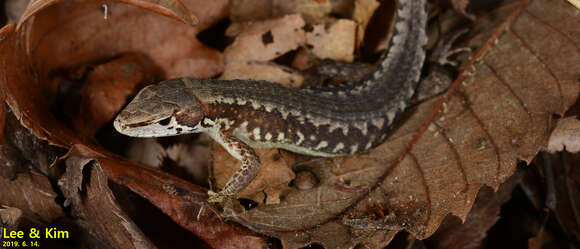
column 358, row 90
column 312, row 137
column 321, row 145
column 378, row 74
column 354, row 149
column 280, row 136
column 300, row 137
column 383, row 137
column 241, row 101
column 391, row 117
column 362, row 126
column 269, row 108
column 378, row 122
column 402, row 105
column 284, row 114
column 298, row 116
column 334, row 126
column 256, row 105
column 256, row 133
column 369, row 144
column 410, row 93
column 268, row 136
column 327, row 94
column 226, row 100
column 338, row 147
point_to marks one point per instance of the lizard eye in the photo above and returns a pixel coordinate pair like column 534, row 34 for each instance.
column 165, row 121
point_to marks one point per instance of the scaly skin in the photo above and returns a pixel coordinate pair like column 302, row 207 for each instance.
column 241, row 114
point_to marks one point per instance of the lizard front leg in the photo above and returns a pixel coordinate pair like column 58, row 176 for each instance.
column 246, row 173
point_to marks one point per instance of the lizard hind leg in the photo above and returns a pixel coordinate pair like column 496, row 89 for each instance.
column 246, row 173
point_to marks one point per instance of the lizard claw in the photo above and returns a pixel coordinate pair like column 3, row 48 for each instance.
column 443, row 51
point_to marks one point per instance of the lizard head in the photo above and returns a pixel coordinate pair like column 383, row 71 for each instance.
column 164, row 109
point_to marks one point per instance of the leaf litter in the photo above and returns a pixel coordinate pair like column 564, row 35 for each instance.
column 497, row 112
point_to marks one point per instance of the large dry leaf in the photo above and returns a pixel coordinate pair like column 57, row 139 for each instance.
column 33, row 195
column 171, row 8
column 272, row 38
column 335, row 42
column 85, row 38
column 496, row 113
column 85, row 186
column 471, row 232
column 256, row 10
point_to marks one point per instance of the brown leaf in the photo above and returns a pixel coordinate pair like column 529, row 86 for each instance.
column 171, row 8
column 146, row 151
column 496, row 113
column 272, row 38
column 183, row 202
column 172, row 45
column 9, row 218
column 566, row 136
column 312, row 11
column 33, row 195
column 553, row 187
column 107, row 88
column 251, row 10
column 54, row 31
column 93, row 205
column 337, row 42
column 14, row 9
column 454, row 233
column 461, row 7
column 194, row 158
column 362, row 13
column 263, row 71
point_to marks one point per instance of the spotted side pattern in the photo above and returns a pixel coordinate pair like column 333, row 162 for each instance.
column 346, row 121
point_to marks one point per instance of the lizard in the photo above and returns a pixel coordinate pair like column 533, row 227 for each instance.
column 323, row 122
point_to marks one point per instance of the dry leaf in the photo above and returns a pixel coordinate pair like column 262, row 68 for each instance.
column 9, row 218
column 146, row 151
column 107, row 88
column 337, row 42
column 363, row 11
column 93, row 205
column 566, row 136
column 195, row 158
column 171, row 8
column 33, row 195
column 272, row 38
column 263, row 71
column 553, row 184
column 14, row 9
column 343, row 8
column 251, row 10
column 312, row 11
column 454, row 233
